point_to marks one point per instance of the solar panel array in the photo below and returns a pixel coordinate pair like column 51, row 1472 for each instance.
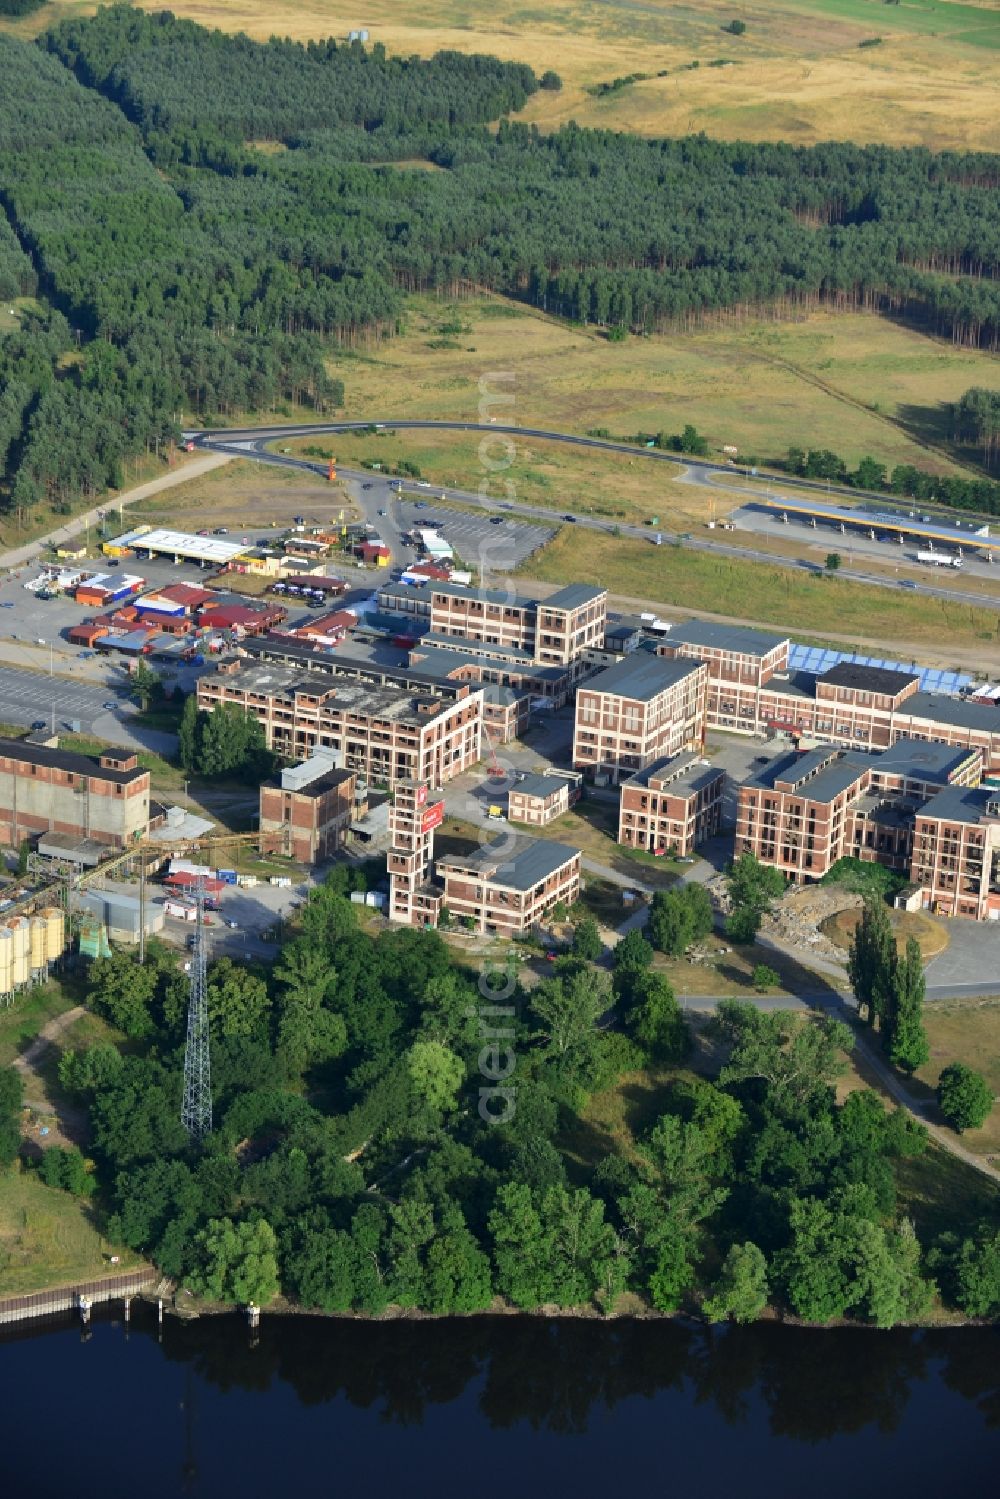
column 816, row 660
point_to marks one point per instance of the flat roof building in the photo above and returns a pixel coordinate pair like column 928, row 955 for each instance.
column 46, row 790
column 308, row 809
column 641, row 709
column 385, row 734
column 672, row 805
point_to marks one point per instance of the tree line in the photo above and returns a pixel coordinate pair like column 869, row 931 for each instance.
column 357, row 1163
column 197, row 273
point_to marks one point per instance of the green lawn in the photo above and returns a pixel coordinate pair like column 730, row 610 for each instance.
column 48, row 1238
column 21, row 1021
column 940, row 1192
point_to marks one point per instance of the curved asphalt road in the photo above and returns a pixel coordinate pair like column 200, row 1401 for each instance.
column 253, row 442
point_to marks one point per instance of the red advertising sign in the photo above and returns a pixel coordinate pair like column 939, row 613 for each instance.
column 432, row 818
column 421, row 795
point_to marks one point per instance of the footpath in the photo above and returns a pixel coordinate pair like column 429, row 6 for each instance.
column 192, row 469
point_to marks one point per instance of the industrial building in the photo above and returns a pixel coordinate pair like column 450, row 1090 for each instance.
column 540, row 799
column 555, row 631
column 309, row 808
column 44, row 789
column 751, row 689
column 915, row 807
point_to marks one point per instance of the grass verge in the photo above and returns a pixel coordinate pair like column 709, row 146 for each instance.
column 805, row 605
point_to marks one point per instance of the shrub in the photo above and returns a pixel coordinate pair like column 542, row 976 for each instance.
column 964, row 1097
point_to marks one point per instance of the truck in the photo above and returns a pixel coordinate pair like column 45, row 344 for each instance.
column 658, row 539
column 939, row 559
column 186, row 910
column 283, row 881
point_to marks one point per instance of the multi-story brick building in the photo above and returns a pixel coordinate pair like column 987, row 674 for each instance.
column 751, row 689
column 415, row 898
column 386, row 735
column 307, row 809
column 504, row 888
column 555, row 631
column 805, row 811
column 641, row 709
column 44, row 789
column 739, row 662
column 505, row 666
column 673, row 804
column 955, row 866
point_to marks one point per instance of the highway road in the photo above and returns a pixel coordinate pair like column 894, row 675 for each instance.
column 249, row 442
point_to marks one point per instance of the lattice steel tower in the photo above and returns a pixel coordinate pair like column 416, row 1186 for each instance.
column 196, row 1110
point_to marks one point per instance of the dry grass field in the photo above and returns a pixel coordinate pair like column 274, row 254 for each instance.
column 798, row 73
column 855, row 383
column 933, row 936
column 248, row 498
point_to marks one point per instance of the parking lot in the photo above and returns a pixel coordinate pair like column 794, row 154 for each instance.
column 477, row 541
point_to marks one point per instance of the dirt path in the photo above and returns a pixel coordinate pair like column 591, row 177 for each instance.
column 70, row 1122
column 191, row 469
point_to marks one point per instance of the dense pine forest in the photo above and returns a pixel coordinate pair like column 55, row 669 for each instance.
column 191, row 271
column 362, row 1157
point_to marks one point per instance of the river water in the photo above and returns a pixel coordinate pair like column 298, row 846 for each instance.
column 494, row 1406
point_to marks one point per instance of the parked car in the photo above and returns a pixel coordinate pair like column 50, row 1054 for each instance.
column 221, row 531
column 496, row 520
column 39, row 723
column 570, row 518
column 299, row 520
column 109, row 706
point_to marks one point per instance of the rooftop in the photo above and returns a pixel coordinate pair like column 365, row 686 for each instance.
column 926, row 760
column 819, row 774
column 936, row 707
column 505, row 596
column 475, row 647
column 959, row 804
column 327, row 780
column 573, row 596
column 178, row 543
column 59, row 759
column 737, row 639
column 640, row 676
column 867, row 678
column 516, row 863
column 540, row 786
column 683, row 772
column 337, row 694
